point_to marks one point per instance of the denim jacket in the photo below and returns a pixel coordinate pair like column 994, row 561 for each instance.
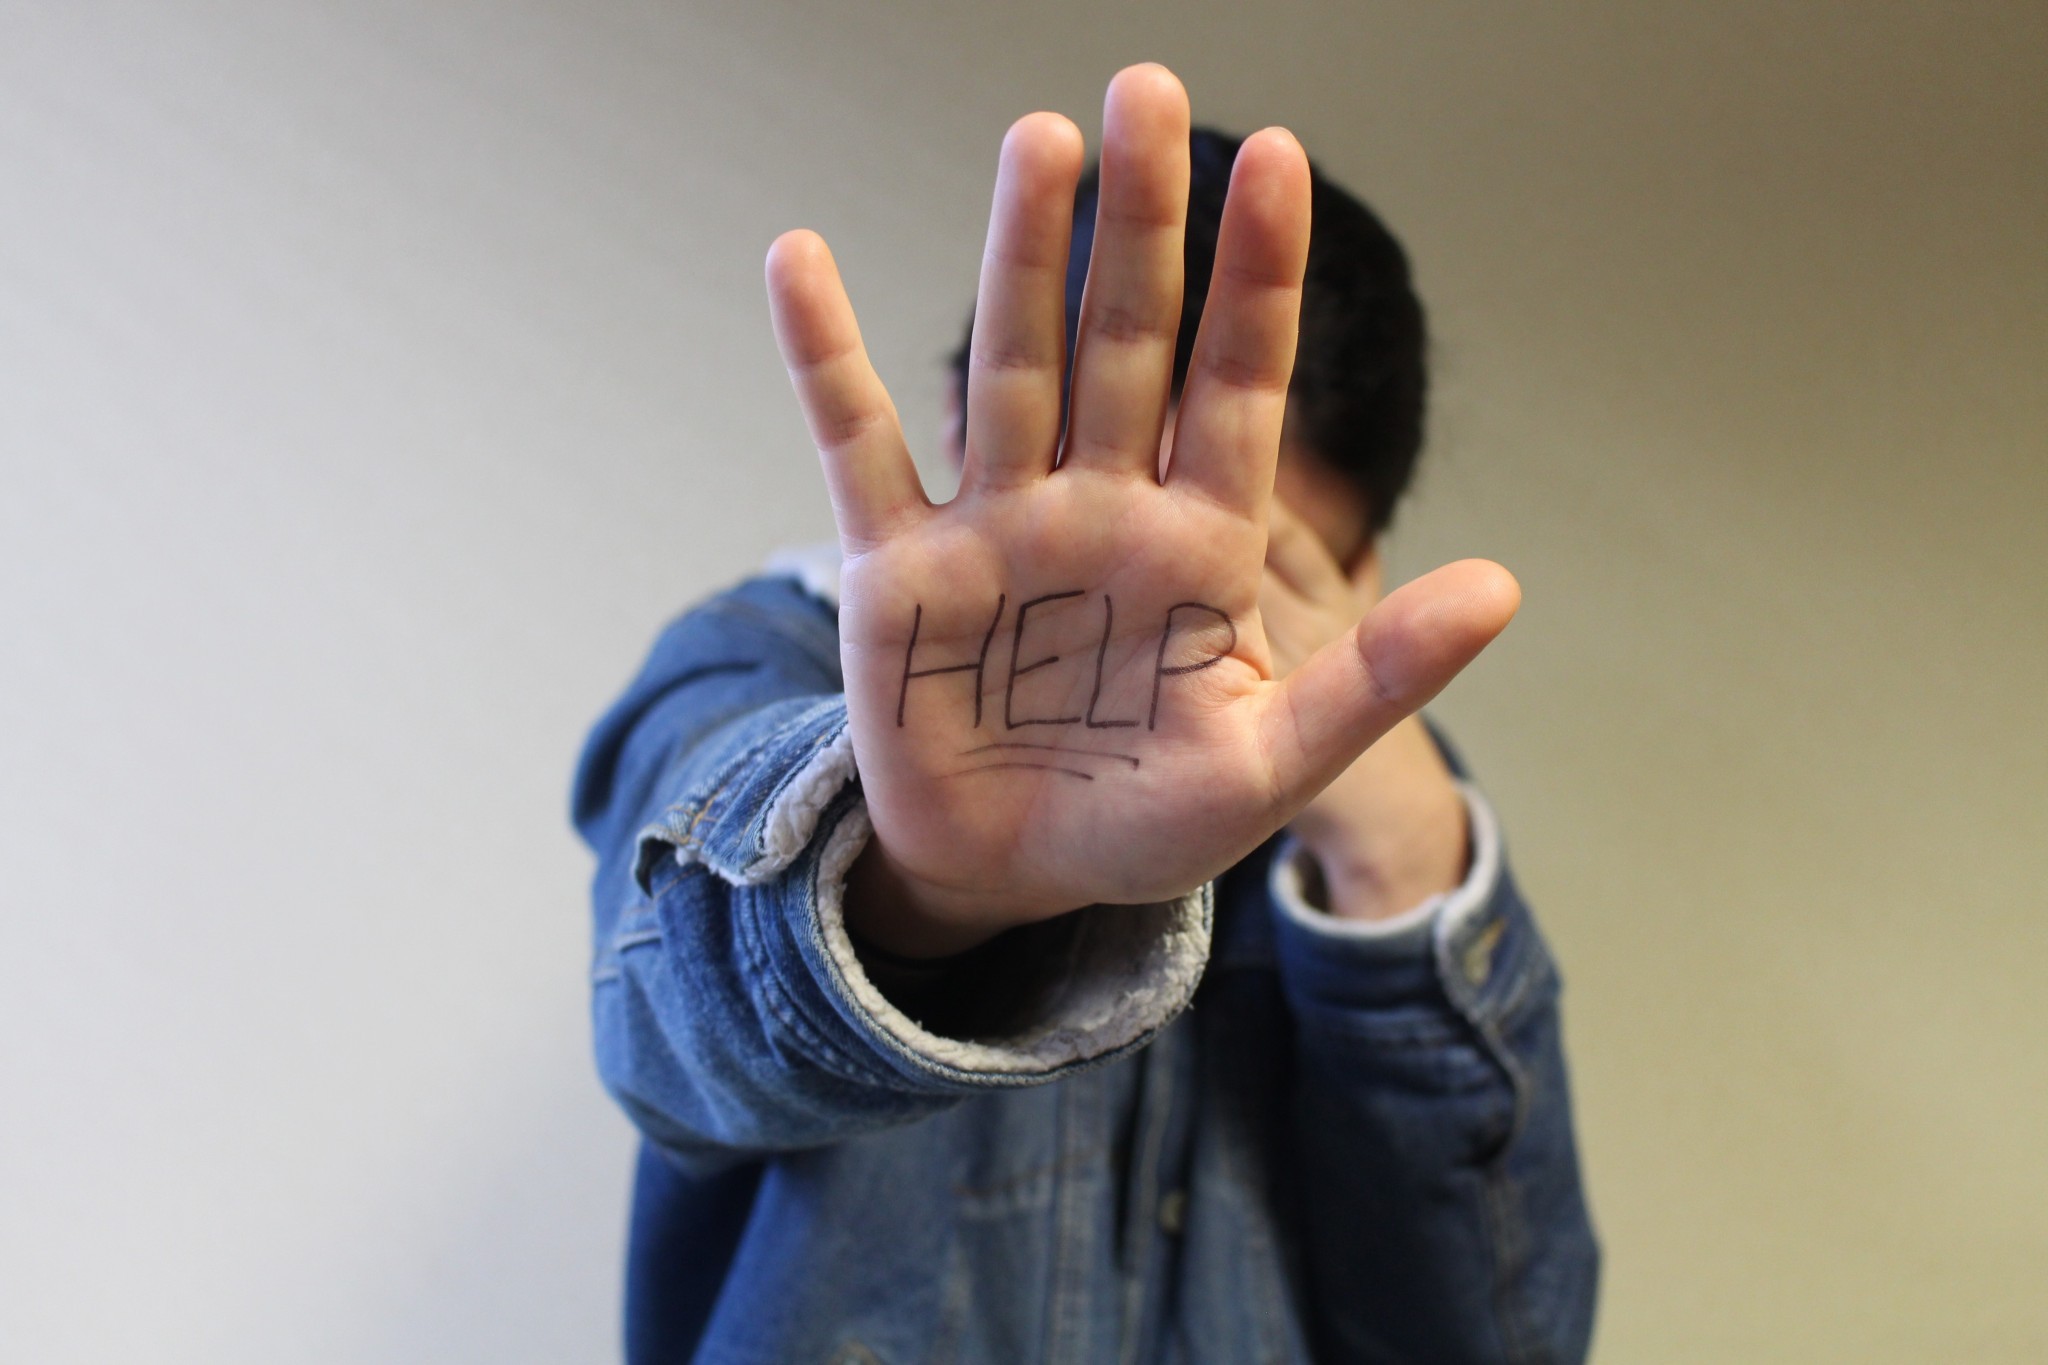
column 1208, row 1130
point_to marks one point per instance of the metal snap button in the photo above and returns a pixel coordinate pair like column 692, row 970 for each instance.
column 1477, row 958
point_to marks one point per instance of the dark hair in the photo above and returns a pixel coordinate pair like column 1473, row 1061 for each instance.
column 1360, row 377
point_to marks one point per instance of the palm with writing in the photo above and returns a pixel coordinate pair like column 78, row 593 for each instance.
column 1059, row 684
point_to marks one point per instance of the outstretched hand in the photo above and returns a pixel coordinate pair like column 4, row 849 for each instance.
column 1060, row 685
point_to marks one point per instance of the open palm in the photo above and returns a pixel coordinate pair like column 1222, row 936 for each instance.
column 1059, row 685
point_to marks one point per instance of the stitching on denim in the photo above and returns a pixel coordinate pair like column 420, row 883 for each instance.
column 818, row 745
column 1067, row 1274
column 1494, row 1024
column 1519, row 1091
column 735, row 770
column 809, row 636
column 1490, row 1012
column 1504, row 1231
column 687, row 836
column 795, row 723
column 789, row 1013
column 1532, row 984
column 848, row 1061
column 782, row 1004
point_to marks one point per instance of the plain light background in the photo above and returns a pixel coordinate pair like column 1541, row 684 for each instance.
column 376, row 377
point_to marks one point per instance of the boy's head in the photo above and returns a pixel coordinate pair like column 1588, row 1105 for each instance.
column 1355, row 405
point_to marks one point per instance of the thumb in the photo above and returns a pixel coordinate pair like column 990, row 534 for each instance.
column 1358, row 687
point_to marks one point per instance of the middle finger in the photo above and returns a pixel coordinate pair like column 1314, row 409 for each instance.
column 1131, row 305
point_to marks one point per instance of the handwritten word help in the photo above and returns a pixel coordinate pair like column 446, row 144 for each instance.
column 1182, row 619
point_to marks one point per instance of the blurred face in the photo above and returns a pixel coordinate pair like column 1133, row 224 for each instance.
column 1330, row 503
column 1313, row 491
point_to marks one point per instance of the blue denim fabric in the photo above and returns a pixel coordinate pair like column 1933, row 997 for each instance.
column 1338, row 1154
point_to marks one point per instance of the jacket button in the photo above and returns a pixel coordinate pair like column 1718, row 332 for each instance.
column 1478, row 955
column 1173, row 1212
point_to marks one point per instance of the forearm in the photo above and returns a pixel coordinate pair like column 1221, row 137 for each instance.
column 716, row 796
column 715, row 1016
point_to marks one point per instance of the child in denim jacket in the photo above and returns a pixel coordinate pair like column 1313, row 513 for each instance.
column 912, row 860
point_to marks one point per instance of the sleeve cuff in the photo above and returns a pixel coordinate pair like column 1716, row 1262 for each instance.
column 785, row 817
column 1126, row 972
column 1410, row 933
column 1480, row 958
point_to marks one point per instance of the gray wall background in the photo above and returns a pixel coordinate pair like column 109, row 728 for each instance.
column 375, row 377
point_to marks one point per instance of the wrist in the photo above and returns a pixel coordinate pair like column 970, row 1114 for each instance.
column 910, row 917
column 1377, row 884
column 1390, row 833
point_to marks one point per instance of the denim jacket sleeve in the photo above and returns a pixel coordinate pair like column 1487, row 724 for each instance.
column 1446, row 1220
column 731, row 1012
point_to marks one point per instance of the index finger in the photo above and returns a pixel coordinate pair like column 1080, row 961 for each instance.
column 868, row 470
